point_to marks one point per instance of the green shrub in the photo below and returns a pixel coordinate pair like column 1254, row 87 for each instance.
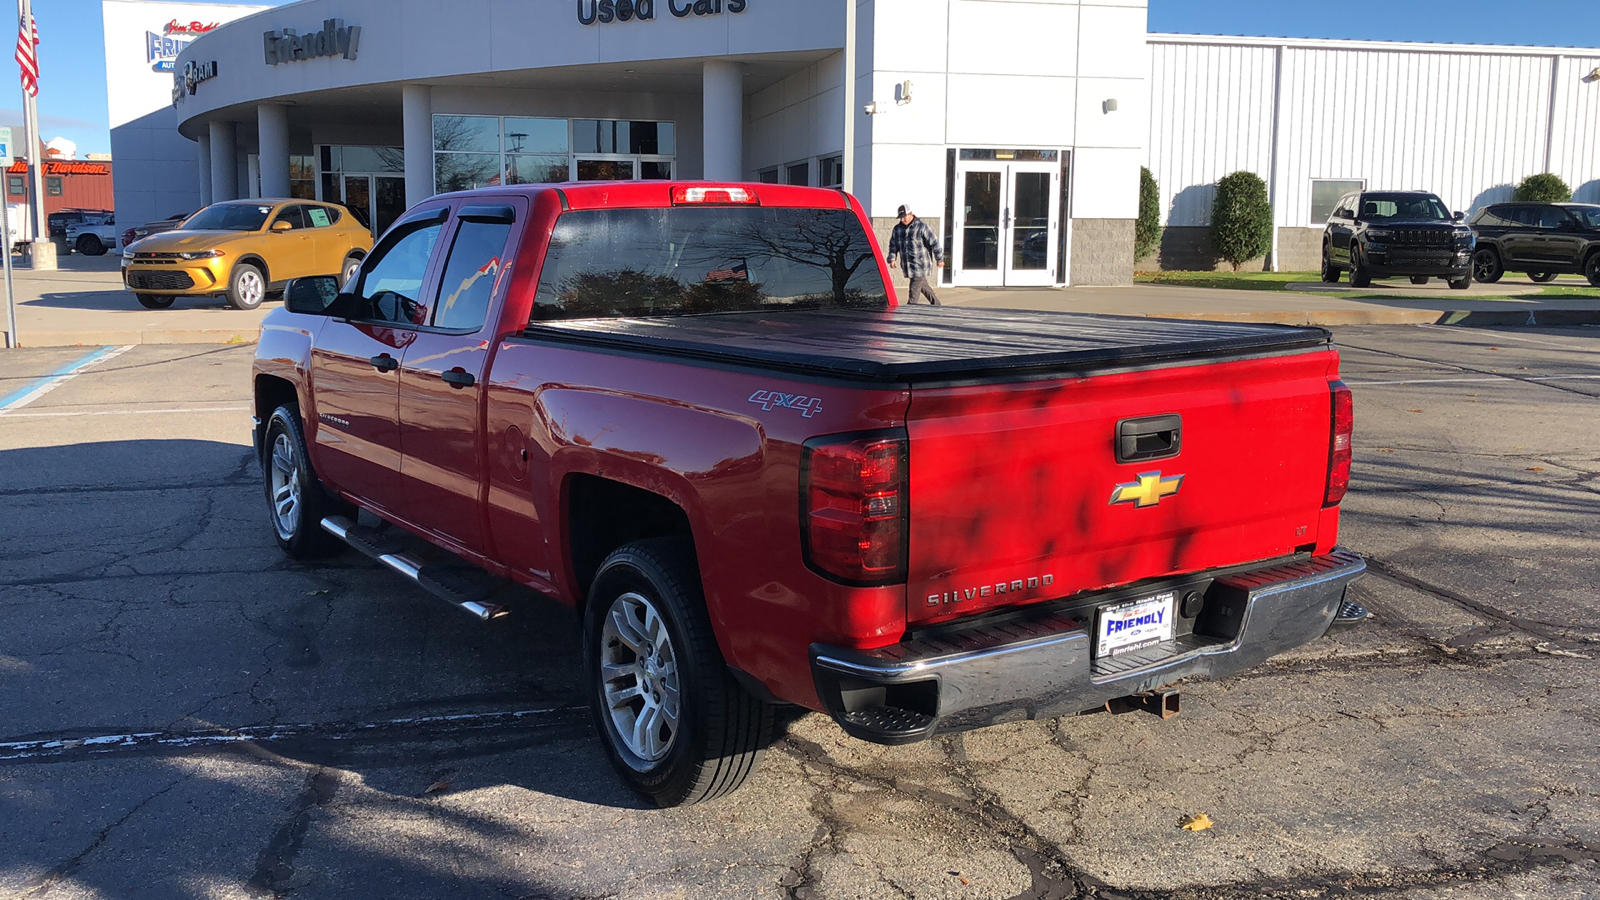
column 1241, row 219
column 1546, row 188
column 1147, row 230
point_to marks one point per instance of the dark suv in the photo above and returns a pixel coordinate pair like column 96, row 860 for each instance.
column 1379, row 233
column 1541, row 239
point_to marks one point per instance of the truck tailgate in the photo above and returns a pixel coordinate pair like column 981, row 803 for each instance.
column 1017, row 493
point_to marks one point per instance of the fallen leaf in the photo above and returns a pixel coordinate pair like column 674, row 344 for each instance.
column 1536, row 468
column 438, row 787
column 964, row 881
column 1198, row 822
column 1495, row 349
column 1385, row 450
column 1413, row 410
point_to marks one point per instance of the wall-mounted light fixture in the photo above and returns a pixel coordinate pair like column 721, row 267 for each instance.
column 902, row 93
column 1110, row 106
column 871, row 109
column 1593, row 76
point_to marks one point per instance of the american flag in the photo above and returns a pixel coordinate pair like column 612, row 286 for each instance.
column 741, row 272
column 28, row 53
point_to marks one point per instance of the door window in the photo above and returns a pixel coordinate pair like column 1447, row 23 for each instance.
column 980, row 244
column 294, row 215
column 470, row 274
column 1552, row 218
column 391, row 285
column 321, row 216
column 1030, row 231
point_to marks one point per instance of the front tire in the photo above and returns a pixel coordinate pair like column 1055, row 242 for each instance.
column 1419, row 279
column 1486, row 266
column 1360, row 276
column 247, row 287
column 155, row 301
column 296, row 500
column 1461, row 284
column 1591, row 269
column 1541, row 277
column 677, row 726
column 1330, row 272
column 91, row 245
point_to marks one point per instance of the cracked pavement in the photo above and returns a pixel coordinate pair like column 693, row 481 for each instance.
column 184, row 713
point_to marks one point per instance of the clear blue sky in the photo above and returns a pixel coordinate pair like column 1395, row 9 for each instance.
column 72, row 92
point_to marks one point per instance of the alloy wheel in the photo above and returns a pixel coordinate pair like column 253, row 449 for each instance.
column 639, row 679
column 285, row 476
column 251, row 288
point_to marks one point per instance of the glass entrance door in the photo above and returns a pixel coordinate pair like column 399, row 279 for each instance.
column 606, row 168
column 379, row 198
column 1006, row 227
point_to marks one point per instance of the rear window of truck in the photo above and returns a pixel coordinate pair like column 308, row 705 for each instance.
column 663, row 262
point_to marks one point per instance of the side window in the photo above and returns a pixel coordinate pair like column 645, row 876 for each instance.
column 1522, row 217
column 320, row 216
column 391, row 285
column 1552, row 218
column 476, row 259
column 294, row 215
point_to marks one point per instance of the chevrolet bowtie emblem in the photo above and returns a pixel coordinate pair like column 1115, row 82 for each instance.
column 1147, row 491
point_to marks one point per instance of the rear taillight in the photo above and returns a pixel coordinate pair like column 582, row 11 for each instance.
column 853, row 507
column 1339, row 448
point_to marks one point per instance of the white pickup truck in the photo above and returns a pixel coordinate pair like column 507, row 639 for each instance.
column 94, row 236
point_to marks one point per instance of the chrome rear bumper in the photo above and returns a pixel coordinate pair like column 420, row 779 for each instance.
column 1042, row 665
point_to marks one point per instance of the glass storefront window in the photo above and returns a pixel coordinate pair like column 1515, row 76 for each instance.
column 655, row 170
column 546, row 137
column 466, row 134
column 609, row 136
column 526, row 168
column 464, row 171
column 830, row 171
column 374, row 159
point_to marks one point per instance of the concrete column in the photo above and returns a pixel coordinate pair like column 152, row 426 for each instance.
column 205, row 168
column 224, row 163
column 273, row 120
column 416, row 124
column 724, row 121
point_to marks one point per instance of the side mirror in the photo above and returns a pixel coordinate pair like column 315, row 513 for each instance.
column 1460, row 216
column 313, row 295
column 282, row 225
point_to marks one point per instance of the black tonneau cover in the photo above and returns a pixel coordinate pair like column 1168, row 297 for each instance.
column 920, row 343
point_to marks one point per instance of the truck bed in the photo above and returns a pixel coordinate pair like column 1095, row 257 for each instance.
column 923, row 343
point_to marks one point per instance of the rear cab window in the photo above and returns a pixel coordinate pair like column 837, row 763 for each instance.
column 610, row 263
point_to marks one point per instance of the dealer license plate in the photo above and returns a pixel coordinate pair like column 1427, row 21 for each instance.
column 1124, row 627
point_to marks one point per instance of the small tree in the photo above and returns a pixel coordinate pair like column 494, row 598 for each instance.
column 1546, row 188
column 1147, row 230
column 1241, row 219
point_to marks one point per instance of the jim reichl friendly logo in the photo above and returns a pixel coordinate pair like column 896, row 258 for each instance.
column 1147, row 491
column 334, row 39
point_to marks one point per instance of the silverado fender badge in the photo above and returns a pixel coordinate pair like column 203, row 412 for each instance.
column 808, row 406
column 1147, row 491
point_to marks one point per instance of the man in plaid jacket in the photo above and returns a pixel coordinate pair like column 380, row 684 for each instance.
column 915, row 246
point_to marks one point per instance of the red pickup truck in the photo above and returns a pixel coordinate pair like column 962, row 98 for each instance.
column 697, row 413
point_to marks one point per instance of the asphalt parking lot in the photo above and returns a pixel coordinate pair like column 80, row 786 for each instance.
column 184, row 713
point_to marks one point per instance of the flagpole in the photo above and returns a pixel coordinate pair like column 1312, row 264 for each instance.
column 34, row 143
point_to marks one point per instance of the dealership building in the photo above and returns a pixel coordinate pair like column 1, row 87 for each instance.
column 1015, row 128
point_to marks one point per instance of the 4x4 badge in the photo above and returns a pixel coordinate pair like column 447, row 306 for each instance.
column 807, row 406
column 1147, row 491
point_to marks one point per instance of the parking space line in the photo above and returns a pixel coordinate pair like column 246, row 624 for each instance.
column 125, row 412
column 421, row 727
column 20, row 398
column 1493, row 378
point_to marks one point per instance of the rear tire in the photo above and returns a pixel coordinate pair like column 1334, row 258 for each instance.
column 154, row 301
column 247, row 287
column 297, row 502
column 1486, row 266
column 347, row 274
column 1541, row 277
column 1419, row 279
column 1359, row 275
column 1591, row 269
column 1330, row 272
column 677, row 726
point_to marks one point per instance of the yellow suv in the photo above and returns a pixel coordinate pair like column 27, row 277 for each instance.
column 244, row 249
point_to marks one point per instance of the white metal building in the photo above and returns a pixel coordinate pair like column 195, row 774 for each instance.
column 1318, row 118
column 1015, row 128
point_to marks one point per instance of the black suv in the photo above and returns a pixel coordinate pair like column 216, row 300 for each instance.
column 1379, row 233
column 1541, row 239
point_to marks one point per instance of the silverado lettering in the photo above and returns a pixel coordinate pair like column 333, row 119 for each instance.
column 564, row 421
